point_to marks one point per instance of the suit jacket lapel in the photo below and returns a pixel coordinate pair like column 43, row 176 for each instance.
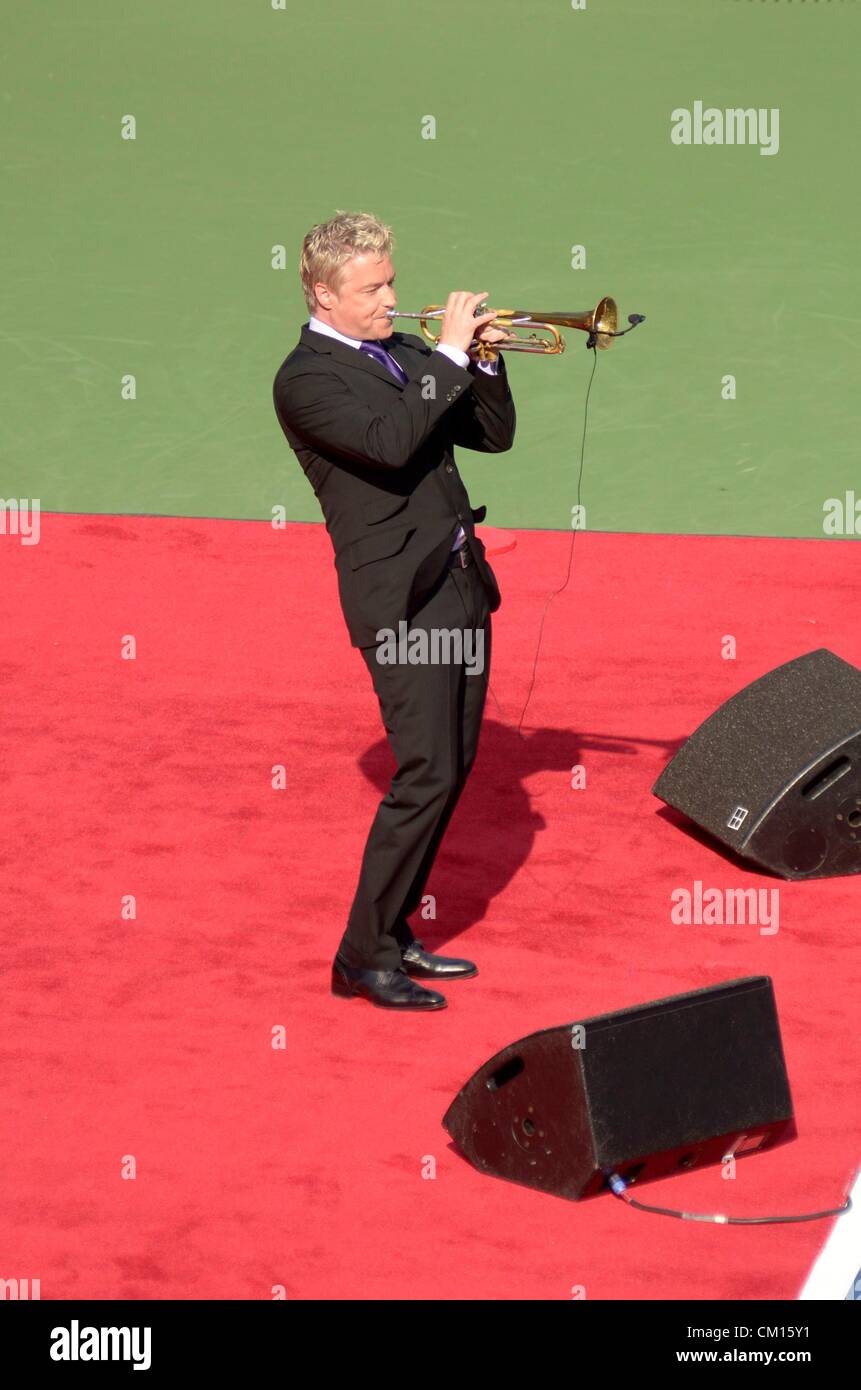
column 352, row 357
column 406, row 356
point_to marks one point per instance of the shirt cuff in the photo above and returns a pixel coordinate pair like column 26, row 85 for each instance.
column 457, row 355
column 462, row 359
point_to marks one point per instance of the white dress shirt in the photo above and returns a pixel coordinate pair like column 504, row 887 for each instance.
column 457, row 355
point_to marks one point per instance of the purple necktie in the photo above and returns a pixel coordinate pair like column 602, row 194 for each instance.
column 379, row 354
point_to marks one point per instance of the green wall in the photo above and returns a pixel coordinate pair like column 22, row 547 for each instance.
column 153, row 257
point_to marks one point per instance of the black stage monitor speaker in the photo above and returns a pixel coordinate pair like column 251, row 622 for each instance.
column 775, row 773
column 645, row 1092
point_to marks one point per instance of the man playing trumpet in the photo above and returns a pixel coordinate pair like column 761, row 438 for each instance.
column 374, row 417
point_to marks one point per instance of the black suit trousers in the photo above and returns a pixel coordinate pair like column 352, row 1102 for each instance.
column 432, row 716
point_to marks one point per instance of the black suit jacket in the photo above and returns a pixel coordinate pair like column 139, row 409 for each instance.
column 380, row 458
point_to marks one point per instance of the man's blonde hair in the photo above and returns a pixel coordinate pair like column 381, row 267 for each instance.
column 329, row 245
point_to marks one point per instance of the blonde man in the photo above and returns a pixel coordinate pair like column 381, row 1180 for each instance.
column 373, row 417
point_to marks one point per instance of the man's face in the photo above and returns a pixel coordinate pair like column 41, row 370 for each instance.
column 358, row 308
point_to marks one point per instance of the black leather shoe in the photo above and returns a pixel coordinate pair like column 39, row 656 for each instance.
column 419, row 962
column 388, row 989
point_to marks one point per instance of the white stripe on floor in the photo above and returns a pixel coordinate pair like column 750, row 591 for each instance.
column 836, row 1275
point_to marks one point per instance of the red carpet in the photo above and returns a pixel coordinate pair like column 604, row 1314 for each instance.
column 151, row 1038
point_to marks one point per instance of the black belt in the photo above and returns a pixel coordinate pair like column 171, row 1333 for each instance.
column 461, row 558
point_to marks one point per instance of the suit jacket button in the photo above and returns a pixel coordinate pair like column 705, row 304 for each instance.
column 449, row 468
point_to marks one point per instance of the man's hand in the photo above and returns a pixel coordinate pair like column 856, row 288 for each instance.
column 460, row 326
column 487, row 336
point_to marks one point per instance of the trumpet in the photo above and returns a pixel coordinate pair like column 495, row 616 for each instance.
column 600, row 323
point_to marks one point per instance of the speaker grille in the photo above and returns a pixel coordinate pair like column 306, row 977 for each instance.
column 649, row 1090
column 794, row 733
